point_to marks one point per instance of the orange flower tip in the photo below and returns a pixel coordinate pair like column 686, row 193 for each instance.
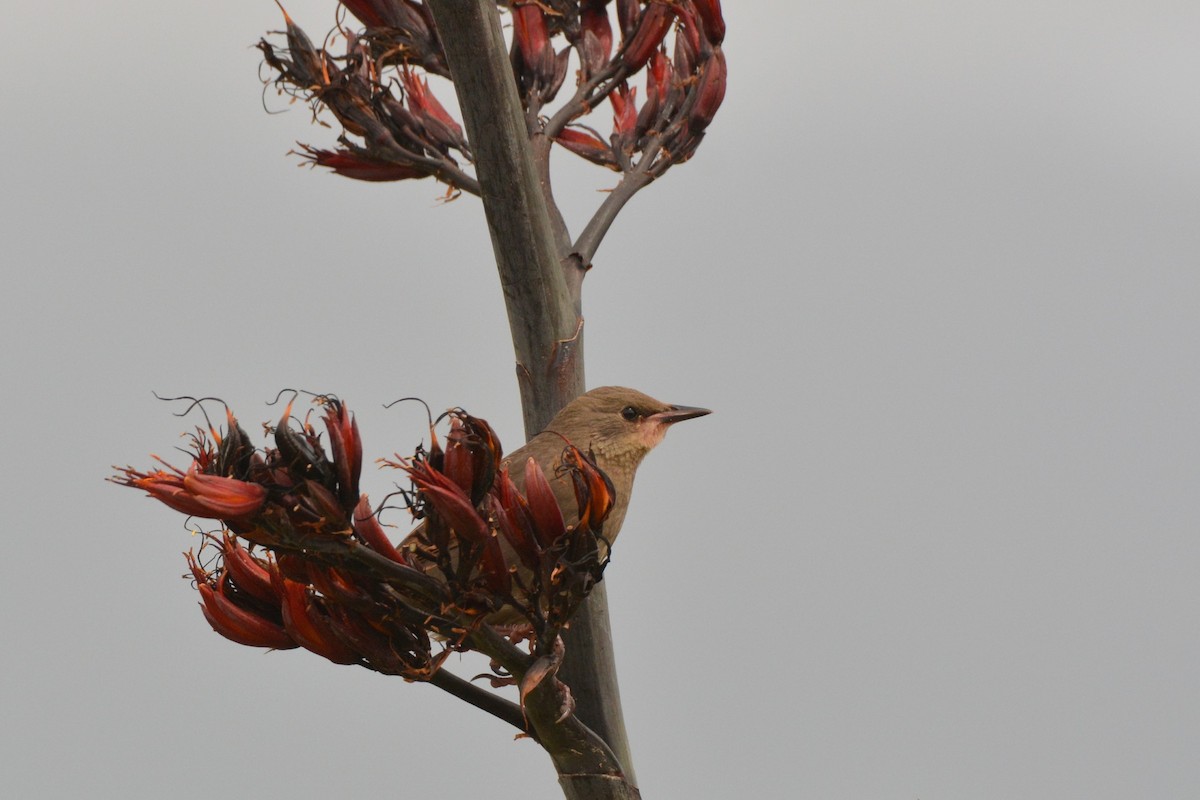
column 286, row 18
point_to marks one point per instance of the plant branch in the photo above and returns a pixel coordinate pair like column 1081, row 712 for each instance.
column 541, row 312
column 589, row 240
column 586, row 97
column 546, row 325
column 481, row 698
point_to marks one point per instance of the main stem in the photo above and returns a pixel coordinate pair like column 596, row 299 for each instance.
column 546, row 325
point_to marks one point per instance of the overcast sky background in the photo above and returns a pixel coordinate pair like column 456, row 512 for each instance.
column 936, row 268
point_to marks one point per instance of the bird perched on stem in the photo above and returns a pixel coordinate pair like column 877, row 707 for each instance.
column 616, row 426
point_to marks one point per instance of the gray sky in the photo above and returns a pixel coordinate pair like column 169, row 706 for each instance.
column 935, row 268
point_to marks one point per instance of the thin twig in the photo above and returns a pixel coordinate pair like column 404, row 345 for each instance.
column 587, row 97
column 602, row 220
column 481, row 698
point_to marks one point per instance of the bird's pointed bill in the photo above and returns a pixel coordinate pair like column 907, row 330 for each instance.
column 680, row 413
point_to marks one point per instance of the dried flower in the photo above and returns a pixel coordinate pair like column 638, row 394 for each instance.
column 303, row 560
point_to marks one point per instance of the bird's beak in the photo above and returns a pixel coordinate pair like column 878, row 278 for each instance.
column 679, row 414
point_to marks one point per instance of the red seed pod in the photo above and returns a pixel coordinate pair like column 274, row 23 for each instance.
column 245, row 628
column 457, row 510
column 591, row 55
column 370, row 532
column 710, row 91
column 513, row 519
column 318, row 504
column 301, row 452
column 658, row 84
column 558, row 76
column 250, row 574
column 594, row 491
column 532, row 38
column 231, row 620
column 628, row 14
column 459, row 466
column 624, row 103
column 587, row 146
column 449, row 502
column 288, row 565
column 223, row 498
column 651, row 31
column 486, row 452
column 685, row 56
column 362, row 168
column 346, row 445
column 304, row 623
column 235, row 454
column 370, row 12
column 714, row 22
column 336, row 586
column 403, row 123
column 690, row 27
column 433, row 115
column 197, row 494
column 543, row 505
column 494, row 569
column 400, row 651
column 596, row 37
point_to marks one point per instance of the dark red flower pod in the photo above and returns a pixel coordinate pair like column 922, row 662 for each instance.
column 710, row 91
column 369, row 12
column 543, row 505
column 588, row 146
column 628, row 14
column 594, row 491
column 304, row 623
column 371, row 533
column 250, row 574
column 346, row 445
column 362, row 168
column 652, row 29
column 596, row 36
column 513, row 520
column 532, row 38
column 658, row 85
column 197, row 494
column 625, row 114
column 234, row 622
column 459, row 466
column 714, row 22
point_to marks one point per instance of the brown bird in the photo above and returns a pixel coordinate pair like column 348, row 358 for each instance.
column 618, row 426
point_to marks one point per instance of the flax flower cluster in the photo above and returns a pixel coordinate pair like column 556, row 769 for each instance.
column 302, row 559
column 395, row 128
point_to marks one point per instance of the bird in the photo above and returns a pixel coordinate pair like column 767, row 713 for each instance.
column 617, row 426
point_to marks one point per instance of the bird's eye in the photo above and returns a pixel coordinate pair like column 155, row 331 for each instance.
column 629, row 413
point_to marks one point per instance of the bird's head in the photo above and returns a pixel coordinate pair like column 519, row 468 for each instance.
column 620, row 425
